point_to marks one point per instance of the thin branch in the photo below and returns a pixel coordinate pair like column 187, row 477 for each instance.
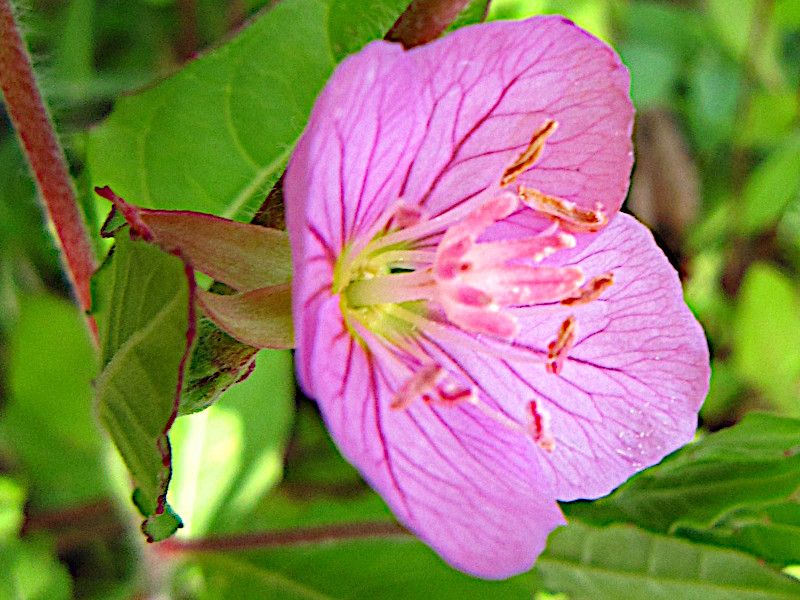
column 424, row 21
column 35, row 129
column 289, row 537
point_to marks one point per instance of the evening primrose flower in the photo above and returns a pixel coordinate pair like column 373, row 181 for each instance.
column 483, row 332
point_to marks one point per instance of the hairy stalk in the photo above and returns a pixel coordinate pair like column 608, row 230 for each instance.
column 284, row 537
column 35, row 129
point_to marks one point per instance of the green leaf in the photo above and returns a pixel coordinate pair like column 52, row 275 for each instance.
column 624, row 562
column 713, row 89
column 395, row 568
column 47, row 425
column 28, row 568
column 766, row 348
column 232, row 453
column 12, row 500
column 216, row 136
column 769, row 531
column 74, row 57
column 772, row 185
column 770, row 116
column 473, row 13
column 30, row 571
column 757, row 460
column 157, row 526
column 146, row 331
column 654, row 72
column 353, row 22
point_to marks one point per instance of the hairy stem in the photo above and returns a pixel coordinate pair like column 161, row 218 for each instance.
column 288, row 537
column 33, row 125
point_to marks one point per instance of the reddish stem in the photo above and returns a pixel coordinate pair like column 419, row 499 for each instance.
column 33, row 125
column 289, row 537
column 424, row 21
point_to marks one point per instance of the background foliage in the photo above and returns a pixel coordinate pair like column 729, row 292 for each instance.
column 715, row 84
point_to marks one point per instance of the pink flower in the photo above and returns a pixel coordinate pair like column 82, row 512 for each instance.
column 484, row 334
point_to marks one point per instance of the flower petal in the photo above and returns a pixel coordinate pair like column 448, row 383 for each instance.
column 632, row 382
column 349, row 165
column 489, row 89
column 467, row 488
column 637, row 373
column 434, row 128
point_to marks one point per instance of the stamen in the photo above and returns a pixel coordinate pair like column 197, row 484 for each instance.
column 534, row 249
column 571, row 216
column 531, row 154
column 538, row 427
column 441, row 331
column 429, row 227
column 557, row 350
column 590, row 291
column 434, row 385
column 380, row 224
column 404, row 259
column 390, row 289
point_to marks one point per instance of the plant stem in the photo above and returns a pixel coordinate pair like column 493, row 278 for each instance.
column 36, row 132
column 288, row 537
column 424, row 21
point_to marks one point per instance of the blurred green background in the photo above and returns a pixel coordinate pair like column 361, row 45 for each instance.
column 716, row 84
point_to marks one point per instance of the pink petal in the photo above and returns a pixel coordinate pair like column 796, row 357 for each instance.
column 356, row 148
column 441, row 123
column 632, row 383
column 466, row 487
column 428, row 130
column 490, row 88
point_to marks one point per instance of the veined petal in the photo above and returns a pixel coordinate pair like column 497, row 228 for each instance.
column 466, row 487
column 350, row 163
column 633, row 380
column 489, row 89
column 405, row 165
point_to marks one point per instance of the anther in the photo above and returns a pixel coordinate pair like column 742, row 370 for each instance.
column 558, row 349
column 590, row 291
column 531, row 154
column 570, row 216
column 538, row 427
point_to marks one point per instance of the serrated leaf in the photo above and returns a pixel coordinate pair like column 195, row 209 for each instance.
column 214, row 137
column 396, row 568
column 768, row 531
column 157, row 526
column 625, row 562
column 146, row 324
column 757, row 460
